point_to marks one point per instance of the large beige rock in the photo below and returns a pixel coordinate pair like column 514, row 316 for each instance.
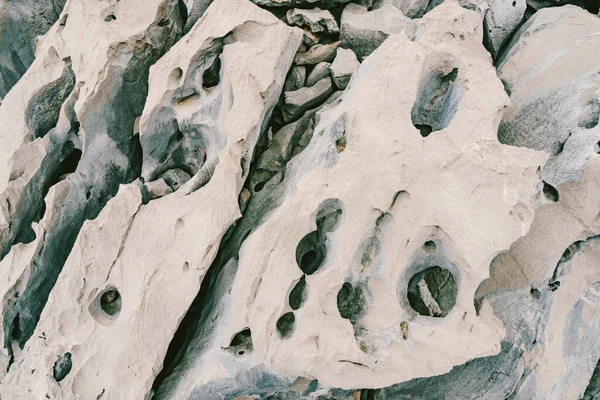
column 115, row 314
column 326, row 276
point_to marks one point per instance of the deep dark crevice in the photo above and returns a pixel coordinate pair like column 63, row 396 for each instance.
column 286, row 324
column 211, row 76
column 593, row 6
column 351, row 302
column 550, row 192
column 62, row 367
column 183, row 12
column 432, row 292
column 592, row 391
column 298, row 296
column 368, row 394
column 436, row 103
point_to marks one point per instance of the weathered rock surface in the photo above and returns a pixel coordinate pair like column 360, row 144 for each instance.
column 316, row 20
column 20, row 23
column 234, row 199
column 343, row 66
column 363, row 31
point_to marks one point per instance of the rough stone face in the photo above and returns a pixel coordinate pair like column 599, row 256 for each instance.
column 64, row 152
column 235, row 199
column 342, row 68
column 316, row 20
column 317, row 53
column 501, row 19
column 320, row 71
column 20, row 23
column 298, row 101
column 363, row 31
column 550, row 104
column 200, row 116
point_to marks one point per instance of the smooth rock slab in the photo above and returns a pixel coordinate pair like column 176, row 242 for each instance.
column 298, row 101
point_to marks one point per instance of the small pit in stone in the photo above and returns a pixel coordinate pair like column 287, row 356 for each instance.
column 241, row 343
column 62, row 367
column 351, row 302
column 550, row 192
column 432, row 292
column 285, row 325
column 429, row 246
column 298, row 294
column 110, row 302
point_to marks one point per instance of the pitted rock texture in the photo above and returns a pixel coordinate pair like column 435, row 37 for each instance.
column 292, row 199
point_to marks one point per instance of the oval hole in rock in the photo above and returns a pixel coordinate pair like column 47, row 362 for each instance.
column 436, row 102
column 285, row 324
column 351, row 302
column 310, row 253
column 550, row 192
column 429, row 246
column 241, row 342
column 297, row 295
column 432, row 292
column 62, row 367
column 110, row 17
column 110, row 302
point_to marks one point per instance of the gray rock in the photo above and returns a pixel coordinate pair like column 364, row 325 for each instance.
column 20, row 22
column 320, row 71
column 342, row 68
column 295, row 79
column 158, row 188
column 298, row 101
column 317, row 53
column 550, row 70
column 363, row 31
column 500, row 21
column 317, row 20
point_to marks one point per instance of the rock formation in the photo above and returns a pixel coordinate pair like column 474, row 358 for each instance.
column 290, row 199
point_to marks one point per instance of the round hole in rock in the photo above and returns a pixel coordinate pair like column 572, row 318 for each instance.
column 106, row 307
column 310, row 253
column 351, row 302
column 429, row 246
column 110, row 17
column 110, row 302
column 285, row 324
column 550, row 192
column 259, row 186
column 432, row 292
column 297, row 295
column 62, row 367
